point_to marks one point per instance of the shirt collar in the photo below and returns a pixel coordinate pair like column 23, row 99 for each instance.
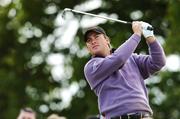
column 112, row 51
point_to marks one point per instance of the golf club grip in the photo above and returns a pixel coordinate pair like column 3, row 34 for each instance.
column 129, row 22
column 148, row 28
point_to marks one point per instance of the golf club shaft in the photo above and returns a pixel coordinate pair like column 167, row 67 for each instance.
column 104, row 17
column 94, row 15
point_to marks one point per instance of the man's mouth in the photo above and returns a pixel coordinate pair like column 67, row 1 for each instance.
column 94, row 47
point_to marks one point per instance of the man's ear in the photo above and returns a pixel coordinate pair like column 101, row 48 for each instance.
column 108, row 41
column 107, row 38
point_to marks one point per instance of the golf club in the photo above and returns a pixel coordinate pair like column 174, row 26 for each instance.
column 94, row 15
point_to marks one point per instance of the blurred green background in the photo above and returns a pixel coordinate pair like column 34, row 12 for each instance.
column 42, row 56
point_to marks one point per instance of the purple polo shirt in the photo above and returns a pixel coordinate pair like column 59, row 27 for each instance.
column 118, row 79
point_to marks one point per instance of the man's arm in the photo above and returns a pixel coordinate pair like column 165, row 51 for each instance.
column 149, row 64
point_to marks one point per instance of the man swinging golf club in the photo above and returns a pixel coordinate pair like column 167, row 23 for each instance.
column 117, row 77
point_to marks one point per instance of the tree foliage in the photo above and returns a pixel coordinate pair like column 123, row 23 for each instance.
column 26, row 77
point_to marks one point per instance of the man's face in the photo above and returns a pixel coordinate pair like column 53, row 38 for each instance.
column 26, row 115
column 98, row 44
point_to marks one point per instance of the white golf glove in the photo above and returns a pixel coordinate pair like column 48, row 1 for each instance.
column 147, row 33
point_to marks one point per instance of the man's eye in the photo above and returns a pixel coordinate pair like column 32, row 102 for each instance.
column 96, row 36
column 88, row 40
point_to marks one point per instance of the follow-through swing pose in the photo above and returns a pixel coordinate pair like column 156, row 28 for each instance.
column 117, row 77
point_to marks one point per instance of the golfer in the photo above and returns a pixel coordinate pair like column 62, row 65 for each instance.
column 117, row 77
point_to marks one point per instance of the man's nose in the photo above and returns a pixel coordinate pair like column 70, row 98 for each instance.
column 93, row 40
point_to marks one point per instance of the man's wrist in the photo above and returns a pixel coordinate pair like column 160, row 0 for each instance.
column 137, row 33
column 150, row 39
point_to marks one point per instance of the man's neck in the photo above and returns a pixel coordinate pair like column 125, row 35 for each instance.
column 103, row 55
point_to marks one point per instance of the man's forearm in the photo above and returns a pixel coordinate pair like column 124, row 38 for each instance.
column 157, row 54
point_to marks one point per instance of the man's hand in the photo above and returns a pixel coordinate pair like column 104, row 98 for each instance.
column 148, row 34
column 137, row 28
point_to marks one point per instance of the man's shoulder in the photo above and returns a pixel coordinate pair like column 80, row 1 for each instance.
column 94, row 59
